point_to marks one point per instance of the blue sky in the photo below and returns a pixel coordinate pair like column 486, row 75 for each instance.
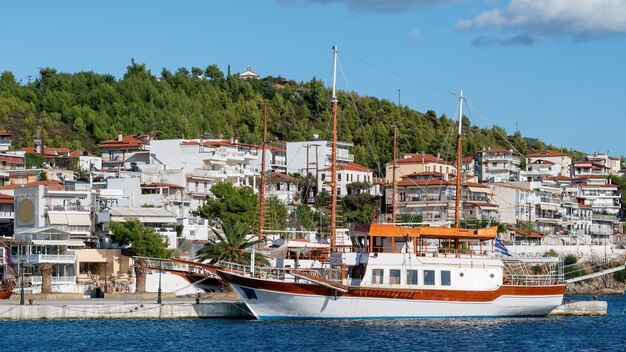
column 553, row 68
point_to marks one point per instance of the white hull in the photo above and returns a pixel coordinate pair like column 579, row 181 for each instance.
column 278, row 305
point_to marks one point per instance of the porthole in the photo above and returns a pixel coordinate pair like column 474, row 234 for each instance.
column 461, row 274
column 492, row 275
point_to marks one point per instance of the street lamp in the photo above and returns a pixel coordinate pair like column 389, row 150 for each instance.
column 159, row 292
column 105, row 278
column 22, row 282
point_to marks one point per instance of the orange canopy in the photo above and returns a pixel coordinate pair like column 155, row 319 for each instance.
column 391, row 230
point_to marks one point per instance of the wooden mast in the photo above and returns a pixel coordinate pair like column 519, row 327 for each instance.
column 262, row 182
column 393, row 186
column 333, row 167
column 457, row 217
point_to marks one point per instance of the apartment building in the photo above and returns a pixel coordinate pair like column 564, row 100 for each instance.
column 495, row 165
column 411, row 164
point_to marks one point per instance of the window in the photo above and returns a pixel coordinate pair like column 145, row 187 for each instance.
column 338, row 177
column 377, row 276
column 445, row 278
column 429, row 277
column 394, row 277
column 323, row 177
column 411, row 277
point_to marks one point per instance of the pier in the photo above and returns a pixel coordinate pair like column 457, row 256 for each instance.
column 115, row 308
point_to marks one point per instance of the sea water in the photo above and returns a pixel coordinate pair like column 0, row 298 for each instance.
column 605, row 333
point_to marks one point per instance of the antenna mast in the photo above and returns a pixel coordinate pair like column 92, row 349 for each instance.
column 333, row 167
column 393, row 186
column 262, row 182
column 457, row 218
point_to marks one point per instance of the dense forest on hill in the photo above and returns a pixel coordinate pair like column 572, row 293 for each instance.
column 80, row 110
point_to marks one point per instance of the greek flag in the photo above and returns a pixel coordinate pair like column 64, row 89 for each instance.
column 500, row 249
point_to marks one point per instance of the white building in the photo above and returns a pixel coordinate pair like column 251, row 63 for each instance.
column 206, row 162
column 496, row 165
column 298, row 153
column 515, row 201
column 48, row 245
column 346, row 174
column 52, row 204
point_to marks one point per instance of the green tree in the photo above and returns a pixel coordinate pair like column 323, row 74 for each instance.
column 278, row 213
column 359, row 207
column 33, row 160
column 145, row 241
column 304, row 218
column 230, row 204
column 233, row 245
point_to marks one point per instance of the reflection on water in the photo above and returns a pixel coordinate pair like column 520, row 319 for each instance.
column 505, row 334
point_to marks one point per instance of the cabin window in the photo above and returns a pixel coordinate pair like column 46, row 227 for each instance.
column 429, row 277
column 445, row 278
column 394, row 277
column 377, row 276
column 411, row 277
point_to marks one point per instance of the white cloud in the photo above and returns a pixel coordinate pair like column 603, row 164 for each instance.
column 528, row 21
column 389, row 6
column 415, row 34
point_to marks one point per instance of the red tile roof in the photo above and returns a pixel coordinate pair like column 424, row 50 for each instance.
column 46, row 183
column 276, row 177
column 164, row 185
column 419, row 159
column 547, row 153
column 349, row 167
column 12, row 159
column 524, row 232
column 132, row 141
column 6, row 199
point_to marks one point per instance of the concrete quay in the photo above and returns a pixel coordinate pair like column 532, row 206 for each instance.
column 582, row 308
column 94, row 308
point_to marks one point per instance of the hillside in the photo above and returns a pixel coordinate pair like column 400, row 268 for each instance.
column 79, row 110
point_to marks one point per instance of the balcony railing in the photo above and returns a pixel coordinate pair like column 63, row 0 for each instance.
column 56, row 280
column 66, row 208
column 48, row 258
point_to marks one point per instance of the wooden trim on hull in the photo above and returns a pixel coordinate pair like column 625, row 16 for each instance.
column 399, row 293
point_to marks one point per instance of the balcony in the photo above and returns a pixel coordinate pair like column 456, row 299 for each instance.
column 56, row 280
column 48, row 258
column 66, row 208
column 211, row 174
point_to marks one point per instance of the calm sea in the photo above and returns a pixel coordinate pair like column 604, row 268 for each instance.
column 520, row 334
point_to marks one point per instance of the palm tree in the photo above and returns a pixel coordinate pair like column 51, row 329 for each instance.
column 231, row 246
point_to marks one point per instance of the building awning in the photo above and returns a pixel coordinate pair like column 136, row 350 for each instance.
column 478, row 189
column 58, row 219
column 551, row 207
column 79, row 219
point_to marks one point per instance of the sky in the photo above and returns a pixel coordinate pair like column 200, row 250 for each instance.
column 552, row 69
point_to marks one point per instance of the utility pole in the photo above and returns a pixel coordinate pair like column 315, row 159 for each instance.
column 306, row 177
column 530, row 226
column 317, row 168
column 159, row 301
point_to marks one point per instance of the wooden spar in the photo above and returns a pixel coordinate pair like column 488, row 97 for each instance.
column 333, row 167
column 457, row 206
column 393, row 186
column 262, row 183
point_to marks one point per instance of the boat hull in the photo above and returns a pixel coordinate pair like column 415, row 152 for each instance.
column 268, row 299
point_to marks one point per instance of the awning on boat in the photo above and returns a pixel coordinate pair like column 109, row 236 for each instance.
column 391, row 230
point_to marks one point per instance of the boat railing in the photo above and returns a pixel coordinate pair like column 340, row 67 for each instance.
column 533, row 271
column 156, row 263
